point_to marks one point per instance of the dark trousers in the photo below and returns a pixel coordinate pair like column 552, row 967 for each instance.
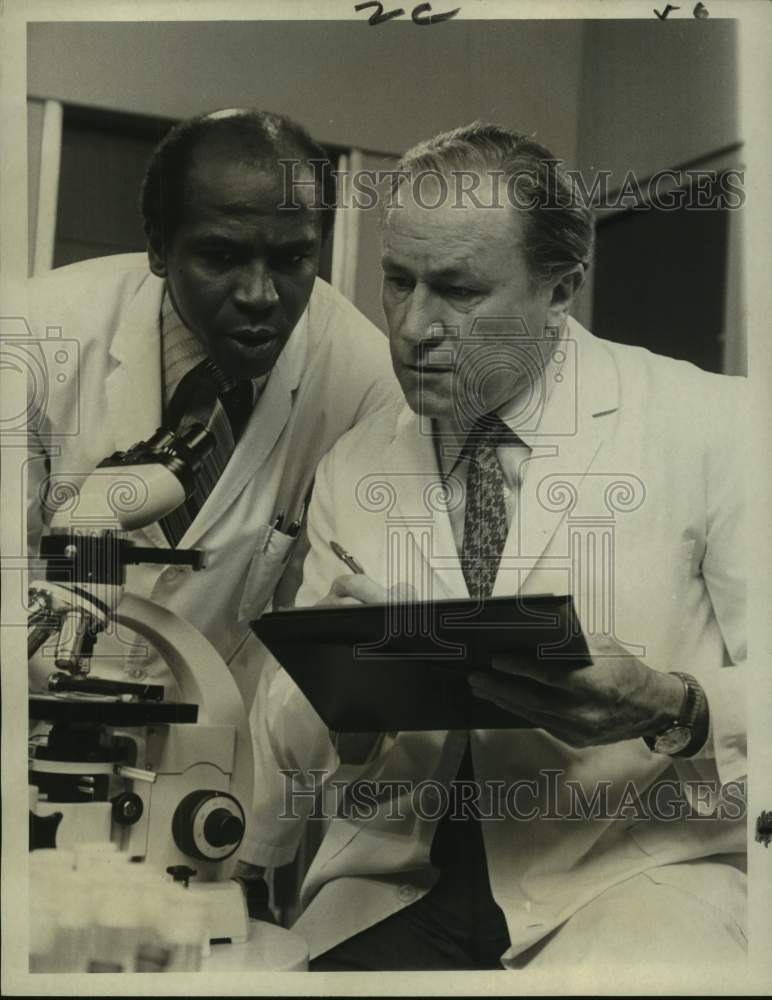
column 456, row 925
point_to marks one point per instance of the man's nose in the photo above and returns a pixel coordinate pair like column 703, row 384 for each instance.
column 424, row 319
column 254, row 289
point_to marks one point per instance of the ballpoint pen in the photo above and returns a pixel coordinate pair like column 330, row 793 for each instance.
column 274, row 526
column 346, row 557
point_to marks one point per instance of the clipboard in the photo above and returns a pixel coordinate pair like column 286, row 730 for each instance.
column 403, row 667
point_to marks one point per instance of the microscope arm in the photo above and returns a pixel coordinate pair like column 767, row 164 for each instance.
column 201, row 675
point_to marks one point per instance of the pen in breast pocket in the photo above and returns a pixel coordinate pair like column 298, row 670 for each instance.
column 346, row 557
column 294, row 528
column 275, row 525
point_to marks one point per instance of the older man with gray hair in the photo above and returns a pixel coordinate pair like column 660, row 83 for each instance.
column 611, row 828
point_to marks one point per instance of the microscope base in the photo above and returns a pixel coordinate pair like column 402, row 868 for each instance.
column 269, row 949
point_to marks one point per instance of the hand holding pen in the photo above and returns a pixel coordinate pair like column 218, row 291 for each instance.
column 356, row 589
column 363, row 589
column 346, row 557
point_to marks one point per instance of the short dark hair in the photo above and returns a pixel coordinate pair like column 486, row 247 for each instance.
column 559, row 225
column 261, row 137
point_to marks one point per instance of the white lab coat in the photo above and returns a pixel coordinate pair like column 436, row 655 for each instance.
column 104, row 316
column 631, row 501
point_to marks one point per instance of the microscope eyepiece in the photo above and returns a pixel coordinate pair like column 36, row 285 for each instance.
column 198, row 440
column 182, row 454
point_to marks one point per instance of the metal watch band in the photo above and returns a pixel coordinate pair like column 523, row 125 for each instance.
column 693, row 716
column 688, row 711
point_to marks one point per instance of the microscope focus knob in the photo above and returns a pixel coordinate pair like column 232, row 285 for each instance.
column 208, row 825
column 127, row 808
column 222, row 827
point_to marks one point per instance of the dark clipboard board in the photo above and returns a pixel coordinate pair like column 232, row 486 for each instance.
column 403, row 667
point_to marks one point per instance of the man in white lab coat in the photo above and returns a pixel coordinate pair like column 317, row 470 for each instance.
column 229, row 282
column 605, row 472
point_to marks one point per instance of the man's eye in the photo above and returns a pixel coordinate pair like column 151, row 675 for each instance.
column 219, row 257
column 400, row 284
column 287, row 262
column 461, row 292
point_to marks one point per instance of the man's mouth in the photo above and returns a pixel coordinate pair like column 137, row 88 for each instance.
column 430, row 369
column 253, row 336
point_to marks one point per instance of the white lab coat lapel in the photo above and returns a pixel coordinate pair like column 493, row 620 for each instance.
column 134, row 401
column 133, row 387
column 263, row 430
column 556, row 471
column 419, row 510
column 571, row 434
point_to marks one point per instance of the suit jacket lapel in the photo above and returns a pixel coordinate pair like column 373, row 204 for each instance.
column 577, row 418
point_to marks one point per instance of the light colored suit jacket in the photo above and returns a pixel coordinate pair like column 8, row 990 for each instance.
column 631, row 501
column 98, row 326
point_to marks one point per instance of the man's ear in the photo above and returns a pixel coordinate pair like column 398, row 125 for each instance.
column 564, row 290
column 156, row 254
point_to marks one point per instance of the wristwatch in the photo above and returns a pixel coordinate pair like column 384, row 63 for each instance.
column 688, row 732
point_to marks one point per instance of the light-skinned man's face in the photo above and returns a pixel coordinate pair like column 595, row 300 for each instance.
column 239, row 269
column 466, row 328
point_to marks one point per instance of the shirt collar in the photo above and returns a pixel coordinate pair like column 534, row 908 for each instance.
column 181, row 351
column 522, row 413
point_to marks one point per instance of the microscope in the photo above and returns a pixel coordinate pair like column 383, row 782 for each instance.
column 167, row 782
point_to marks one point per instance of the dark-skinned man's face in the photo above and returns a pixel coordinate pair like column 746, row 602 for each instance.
column 239, row 268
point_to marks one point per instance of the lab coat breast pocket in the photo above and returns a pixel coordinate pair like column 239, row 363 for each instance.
column 687, row 567
column 268, row 562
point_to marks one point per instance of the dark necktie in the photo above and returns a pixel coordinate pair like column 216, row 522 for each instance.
column 205, row 396
column 457, row 848
column 486, row 524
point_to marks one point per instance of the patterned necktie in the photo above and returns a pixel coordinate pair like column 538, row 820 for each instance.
column 205, row 396
column 457, row 848
column 485, row 522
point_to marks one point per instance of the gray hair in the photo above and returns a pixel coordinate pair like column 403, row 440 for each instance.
column 558, row 224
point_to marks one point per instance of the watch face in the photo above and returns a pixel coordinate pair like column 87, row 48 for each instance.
column 674, row 740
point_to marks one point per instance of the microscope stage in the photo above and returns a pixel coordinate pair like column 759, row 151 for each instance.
column 109, row 711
